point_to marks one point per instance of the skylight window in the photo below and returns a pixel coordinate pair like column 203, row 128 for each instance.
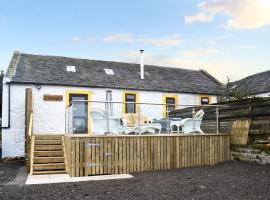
column 71, row 68
column 109, row 71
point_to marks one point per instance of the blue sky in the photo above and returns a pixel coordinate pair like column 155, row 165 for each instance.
column 224, row 37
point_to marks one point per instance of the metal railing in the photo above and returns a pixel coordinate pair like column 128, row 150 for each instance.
column 111, row 115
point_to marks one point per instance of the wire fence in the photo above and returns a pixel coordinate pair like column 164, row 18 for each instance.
column 108, row 117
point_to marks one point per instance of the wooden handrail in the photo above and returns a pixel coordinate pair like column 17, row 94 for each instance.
column 30, row 126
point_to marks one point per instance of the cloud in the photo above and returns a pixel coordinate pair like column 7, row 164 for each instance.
column 119, row 37
column 196, row 53
column 228, row 66
column 242, row 14
column 171, row 40
column 78, row 40
column 199, row 17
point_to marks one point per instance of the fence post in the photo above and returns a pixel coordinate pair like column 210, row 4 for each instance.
column 217, row 119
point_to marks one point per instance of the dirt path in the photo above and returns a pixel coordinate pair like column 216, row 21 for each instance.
column 231, row 180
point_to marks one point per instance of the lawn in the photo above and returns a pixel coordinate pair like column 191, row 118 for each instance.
column 230, row 180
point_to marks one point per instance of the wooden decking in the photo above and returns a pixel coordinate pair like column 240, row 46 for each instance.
column 48, row 155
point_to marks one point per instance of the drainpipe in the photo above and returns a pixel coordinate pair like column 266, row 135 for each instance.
column 8, row 126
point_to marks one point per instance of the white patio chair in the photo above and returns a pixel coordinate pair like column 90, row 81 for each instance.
column 99, row 123
column 131, row 125
column 192, row 125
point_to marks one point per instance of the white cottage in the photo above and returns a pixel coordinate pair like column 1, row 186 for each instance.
column 56, row 81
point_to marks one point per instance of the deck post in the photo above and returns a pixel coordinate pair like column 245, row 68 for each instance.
column 217, row 119
column 168, row 119
column 193, row 116
column 139, row 120
column 107, row 117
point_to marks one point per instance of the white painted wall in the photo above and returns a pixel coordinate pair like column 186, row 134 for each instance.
column 266, row 94
column 13, row 138
column 49, row 116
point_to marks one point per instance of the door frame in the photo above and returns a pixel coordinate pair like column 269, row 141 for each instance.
column 82, row 92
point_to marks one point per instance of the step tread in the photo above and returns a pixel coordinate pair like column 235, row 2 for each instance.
column 50, row 172
column 44, row 142
column 48, row 153
column 48, row 147
column 55, row 159
column 48, row 137
column 48, row 166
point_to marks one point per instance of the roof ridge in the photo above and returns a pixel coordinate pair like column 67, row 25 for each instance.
column 252, row 75
column 112, row 61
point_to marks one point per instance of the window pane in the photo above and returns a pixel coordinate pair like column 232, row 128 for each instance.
column 205, row 101
column 130, row 107
column 130, row 97
column 79, row 125
column 170, row 100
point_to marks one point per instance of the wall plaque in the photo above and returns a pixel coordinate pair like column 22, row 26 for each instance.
column 48, row 97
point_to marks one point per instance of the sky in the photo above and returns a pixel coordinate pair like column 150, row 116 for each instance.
column 228, row 38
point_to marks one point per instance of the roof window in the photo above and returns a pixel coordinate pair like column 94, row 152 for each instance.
column 71, row 68
column 109, row 71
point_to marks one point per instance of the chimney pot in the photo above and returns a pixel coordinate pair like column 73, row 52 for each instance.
column 142, row 64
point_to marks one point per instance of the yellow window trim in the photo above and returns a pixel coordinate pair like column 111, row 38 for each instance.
column 86, row 92
column 205, row 96
column 164, row 96
column 124, row 100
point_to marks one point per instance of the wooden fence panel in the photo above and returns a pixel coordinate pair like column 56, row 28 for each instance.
column 257, row 110
column 126, row 154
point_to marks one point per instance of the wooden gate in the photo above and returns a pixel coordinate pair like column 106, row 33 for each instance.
column 98, row 156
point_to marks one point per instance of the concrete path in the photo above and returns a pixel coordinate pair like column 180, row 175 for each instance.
column 62, row 178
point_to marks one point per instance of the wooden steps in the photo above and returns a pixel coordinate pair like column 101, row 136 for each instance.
column 48, row 155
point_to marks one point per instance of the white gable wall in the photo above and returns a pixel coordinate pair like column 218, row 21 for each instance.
column 13, row 138
column 49, row 116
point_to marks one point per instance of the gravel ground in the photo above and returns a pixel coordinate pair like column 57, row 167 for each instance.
column 230, row 180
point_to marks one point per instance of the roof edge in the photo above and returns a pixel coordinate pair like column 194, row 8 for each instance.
column 11, row 70
column 212, row 77
column 120, row 88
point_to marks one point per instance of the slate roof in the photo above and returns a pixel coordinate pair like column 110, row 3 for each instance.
column 51, row 70
column 254, row 84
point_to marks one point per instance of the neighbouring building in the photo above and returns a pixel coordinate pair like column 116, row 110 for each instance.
column 1, row 91
column 256, row 85
column 55, row 81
